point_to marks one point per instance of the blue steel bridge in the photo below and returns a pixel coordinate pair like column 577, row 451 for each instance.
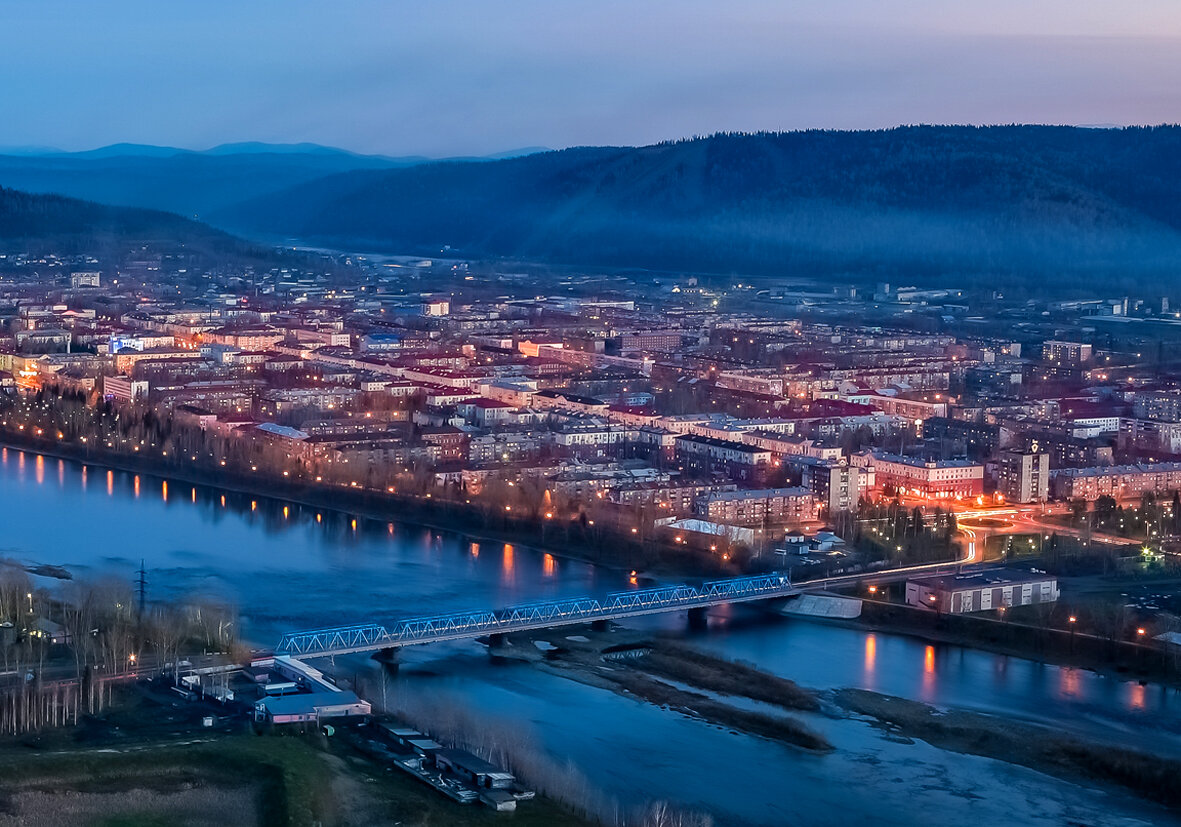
column 371, row 637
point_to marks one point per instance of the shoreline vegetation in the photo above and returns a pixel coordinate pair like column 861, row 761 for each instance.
column 608, row 549
column 1070, row 758
column 559, row 781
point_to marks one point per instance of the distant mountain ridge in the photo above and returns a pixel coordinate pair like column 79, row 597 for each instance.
column 921, row 202
column 184, row 181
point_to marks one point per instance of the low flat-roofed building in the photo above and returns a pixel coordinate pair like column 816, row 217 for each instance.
column 982, row 591
column 314, row 707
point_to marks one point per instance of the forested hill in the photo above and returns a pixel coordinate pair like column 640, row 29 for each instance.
column 1061, row 203
column 55, row 224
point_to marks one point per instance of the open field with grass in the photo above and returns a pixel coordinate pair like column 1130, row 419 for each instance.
column 229, row 781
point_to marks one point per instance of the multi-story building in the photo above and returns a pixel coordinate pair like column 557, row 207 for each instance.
column 677, row 498
column 925, row 478
column 503, row 447
column 981, row 439
column 1151, row 435
column 788, row 506
column 651, row 340
column 244, row 338
column 901, row 406
column 703, row 455
column 837, row 486
column 123, row 388
column 1060, row 352
column 278, row 402
column 1158, row 405
column 1024, row 476
column 1067, row 451
column 1119, row 481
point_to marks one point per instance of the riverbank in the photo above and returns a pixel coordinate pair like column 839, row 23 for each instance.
column 611, row 551
column 1037, row 747
column 1122, row 659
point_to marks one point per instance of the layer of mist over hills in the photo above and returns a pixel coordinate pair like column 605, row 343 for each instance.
column 1063, row 204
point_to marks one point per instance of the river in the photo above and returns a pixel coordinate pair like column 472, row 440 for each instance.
column 289, row 566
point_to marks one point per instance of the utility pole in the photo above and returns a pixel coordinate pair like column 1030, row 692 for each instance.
column 141, row 587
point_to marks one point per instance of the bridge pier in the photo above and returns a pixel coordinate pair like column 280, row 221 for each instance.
column 599, row 625
column 388, row 658
column 698, row 618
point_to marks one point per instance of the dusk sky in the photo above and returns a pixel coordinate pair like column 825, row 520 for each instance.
column 475, row 77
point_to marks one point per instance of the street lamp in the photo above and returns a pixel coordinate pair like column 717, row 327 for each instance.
column 1072, row 620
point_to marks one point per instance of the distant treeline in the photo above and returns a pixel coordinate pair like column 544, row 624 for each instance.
column 922, row 203
column 67, row 226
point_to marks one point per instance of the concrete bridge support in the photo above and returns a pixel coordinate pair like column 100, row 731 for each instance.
column 698, row 618
column 388, row 658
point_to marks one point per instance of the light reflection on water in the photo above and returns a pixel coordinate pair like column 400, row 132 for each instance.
column 871, row 656
column 287, row 565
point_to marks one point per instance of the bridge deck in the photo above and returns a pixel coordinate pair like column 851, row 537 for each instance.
column 372, row 637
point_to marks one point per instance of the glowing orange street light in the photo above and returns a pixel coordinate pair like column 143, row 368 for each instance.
column 1140, row 632
column 873, row 589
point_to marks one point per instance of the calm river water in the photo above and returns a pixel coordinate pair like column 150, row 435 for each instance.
column 289, row 567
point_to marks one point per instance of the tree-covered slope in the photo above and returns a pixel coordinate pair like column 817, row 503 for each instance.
column 1060, row 202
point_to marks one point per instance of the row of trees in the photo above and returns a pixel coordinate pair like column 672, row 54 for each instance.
column 1151, row 518
column 890, row 531
column 62, row 648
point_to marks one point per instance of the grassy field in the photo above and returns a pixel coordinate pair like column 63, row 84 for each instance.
column 231, row 780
